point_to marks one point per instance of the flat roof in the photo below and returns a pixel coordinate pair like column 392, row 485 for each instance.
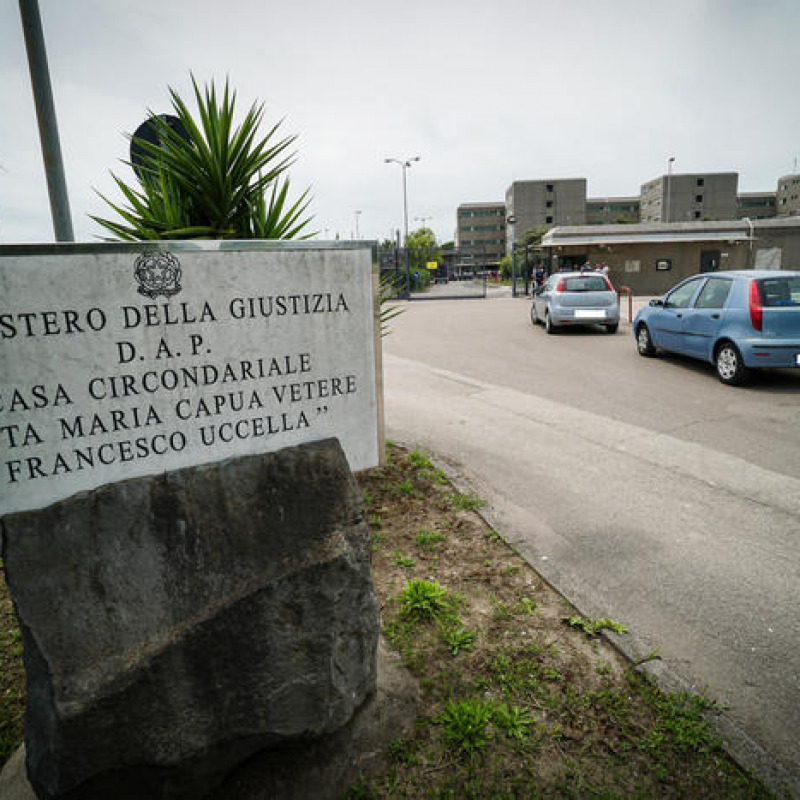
column 643, row 233
column 648, row 238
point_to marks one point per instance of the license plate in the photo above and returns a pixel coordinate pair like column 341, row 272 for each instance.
column 589, row 314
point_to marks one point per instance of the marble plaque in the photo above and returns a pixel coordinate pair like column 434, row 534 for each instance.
column 121, row 362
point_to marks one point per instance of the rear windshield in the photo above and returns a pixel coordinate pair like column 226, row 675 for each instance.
column 585, row 283
column 780, row 291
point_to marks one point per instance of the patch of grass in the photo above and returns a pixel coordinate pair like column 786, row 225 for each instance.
column 12, row 676
column 515, row 703
column 427, row 538
column 424, row 600
column 514, row 721
column 457, row 639
column 404, row 751
column 406, row 562
column 426, row 470
column 681, row 719
column 591, row 627
column 404, row 487
column 465, row 725
column 465, row 502
column 526, row 605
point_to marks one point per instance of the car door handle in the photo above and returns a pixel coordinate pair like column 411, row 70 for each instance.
column 679, row 315
column 715, row 316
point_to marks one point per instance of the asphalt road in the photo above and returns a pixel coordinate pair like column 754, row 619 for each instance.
column 643, row 489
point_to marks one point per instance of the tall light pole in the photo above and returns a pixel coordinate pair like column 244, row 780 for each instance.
column 669, row 187
column 404, row 164
column 358, row 214
column 46, row 116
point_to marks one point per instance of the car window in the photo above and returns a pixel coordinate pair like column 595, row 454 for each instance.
column 714, row 293
column 585, row 283
column 680, row 297
column 783, row 291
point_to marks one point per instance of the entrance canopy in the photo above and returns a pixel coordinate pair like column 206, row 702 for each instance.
column 587, row 236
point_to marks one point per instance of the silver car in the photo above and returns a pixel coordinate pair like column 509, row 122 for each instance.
column 576, row 298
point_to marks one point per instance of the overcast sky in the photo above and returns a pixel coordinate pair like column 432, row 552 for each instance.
column 485, row 92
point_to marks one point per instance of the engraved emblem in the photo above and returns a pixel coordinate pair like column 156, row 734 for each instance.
column 158, row 274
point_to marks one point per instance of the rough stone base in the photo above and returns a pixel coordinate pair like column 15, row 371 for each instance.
column 175, row 625
column 322, row 770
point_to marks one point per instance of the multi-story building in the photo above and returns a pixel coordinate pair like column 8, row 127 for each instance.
column 689, row 196
column 609, row 210
column 787, row 198
column 755, row 205
column 543, row 204
column 481, row 233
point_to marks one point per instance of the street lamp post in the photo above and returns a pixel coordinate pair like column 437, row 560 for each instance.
column 423, row 220
column 512, row 221
column 46, row 116
column 404, row 164
column 358, row 214
column 669, row 187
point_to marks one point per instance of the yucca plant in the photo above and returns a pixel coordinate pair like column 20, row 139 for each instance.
column 223, row 181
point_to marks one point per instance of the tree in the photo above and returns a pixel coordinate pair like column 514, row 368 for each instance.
column 532, row 237
column 422, row 239
column 221, row 182
column 422, row 249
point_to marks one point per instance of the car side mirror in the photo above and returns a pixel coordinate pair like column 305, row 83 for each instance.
column 657, row 302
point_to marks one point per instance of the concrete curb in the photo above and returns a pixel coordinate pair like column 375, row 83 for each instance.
column 746, row 752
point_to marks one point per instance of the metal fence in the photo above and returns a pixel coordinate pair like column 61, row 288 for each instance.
column 433, row 273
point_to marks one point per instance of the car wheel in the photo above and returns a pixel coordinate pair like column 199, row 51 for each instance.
column 534, row 317
column 644, row 344
column 548, row 324
column 730, row 367
column 612, row 328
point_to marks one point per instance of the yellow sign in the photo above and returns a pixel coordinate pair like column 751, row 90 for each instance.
column 432, row 265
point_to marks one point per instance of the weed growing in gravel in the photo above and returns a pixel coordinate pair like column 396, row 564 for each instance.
column 457, row 639
column 466, row 502
column 465, row 725
column 426, row 538
column 592, row 627
column 425, row 468
column 424, row 600
column 405, row 562
column 516, row 722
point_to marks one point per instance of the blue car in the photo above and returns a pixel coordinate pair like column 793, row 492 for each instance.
column 738, row 321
